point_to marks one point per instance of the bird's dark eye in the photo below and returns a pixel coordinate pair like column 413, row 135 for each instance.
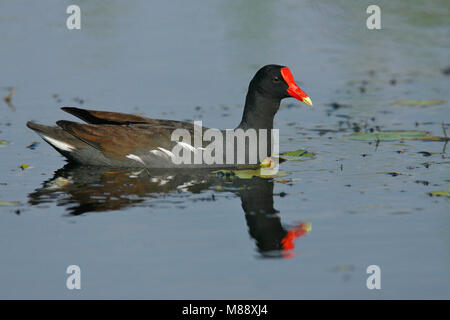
column 276, row 80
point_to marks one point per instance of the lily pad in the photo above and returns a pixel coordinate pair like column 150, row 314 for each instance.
column 250, row 173
column 297, row 155
column 430, row 102
column 391, row 135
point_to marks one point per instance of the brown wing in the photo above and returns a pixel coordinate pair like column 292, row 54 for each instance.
column 117, row 141
column 105, row 117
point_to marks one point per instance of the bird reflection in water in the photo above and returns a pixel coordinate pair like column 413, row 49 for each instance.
column 84, row 189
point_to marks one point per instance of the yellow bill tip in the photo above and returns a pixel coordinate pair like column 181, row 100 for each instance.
column 307, row 226
column 268, row 163
column 307, row 101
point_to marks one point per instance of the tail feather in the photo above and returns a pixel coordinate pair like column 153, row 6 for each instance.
column 71, row 147
column 59, row 139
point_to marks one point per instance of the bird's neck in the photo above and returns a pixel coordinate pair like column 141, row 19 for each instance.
column 259, row 111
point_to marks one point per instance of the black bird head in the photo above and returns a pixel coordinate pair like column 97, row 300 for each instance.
column 277, row 82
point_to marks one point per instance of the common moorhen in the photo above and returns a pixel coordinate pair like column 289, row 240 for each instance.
column 124, row 140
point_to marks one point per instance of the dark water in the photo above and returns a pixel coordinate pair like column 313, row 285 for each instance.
column 156, row 234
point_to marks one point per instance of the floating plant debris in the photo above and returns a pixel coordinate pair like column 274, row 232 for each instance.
column 442, row 193
column 250, row 173
column 430, row 102
column 4, row 143
column 391, row 135
column 9, row 96
column 24, row 166
column 33, row 145
column 299, row 154
column 9, row 203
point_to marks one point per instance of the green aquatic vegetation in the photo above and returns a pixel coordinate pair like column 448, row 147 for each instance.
column 390, row 135
column 430, row 102
column 441, row 193
column 297, row 155
column 24, row 166
column 250, row 173
column 395, row 135
column 267, row 171
column 434, row 138
column 4, row 143
column 9, row 203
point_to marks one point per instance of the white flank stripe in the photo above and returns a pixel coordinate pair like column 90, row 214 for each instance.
column 184, row 187
column 187, row 146
column 59, row 144
column 158, row 153
column 170, row 154
column 135, row 157
column 162, row 182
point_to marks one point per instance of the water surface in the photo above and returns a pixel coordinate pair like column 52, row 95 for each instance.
column 156, row 234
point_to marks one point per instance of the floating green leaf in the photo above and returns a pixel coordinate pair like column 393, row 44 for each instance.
column 391, row 135
column 297, row 155
column 430, row 102
column 4, row 143
column 442, row 193
column 250, row 173
column 9, row 203
column 24, row 166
